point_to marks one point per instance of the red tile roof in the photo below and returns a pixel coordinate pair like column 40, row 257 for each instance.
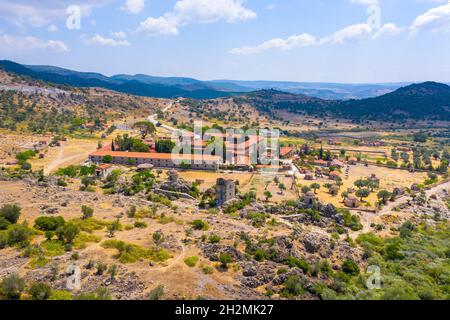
column 285, row 151
column 162, row 156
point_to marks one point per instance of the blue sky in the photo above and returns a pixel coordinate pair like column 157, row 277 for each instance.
column 352, row 41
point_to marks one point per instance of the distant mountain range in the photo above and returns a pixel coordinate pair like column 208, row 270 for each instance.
column 172, row 87
column 424, row 101
column 428, row 100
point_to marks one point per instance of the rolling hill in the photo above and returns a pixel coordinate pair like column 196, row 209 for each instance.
column 428, row 100
column 424, row 101
column 135, row 85
column 172, row 87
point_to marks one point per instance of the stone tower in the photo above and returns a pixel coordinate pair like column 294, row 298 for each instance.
column 225, row 191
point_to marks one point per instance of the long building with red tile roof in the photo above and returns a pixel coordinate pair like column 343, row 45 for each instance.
column 159, row 160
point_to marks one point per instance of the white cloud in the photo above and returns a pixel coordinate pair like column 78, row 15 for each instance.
column 302, row 40
column 351, row 33
column 159, row 26
column 388, row 30
column 196, row 11
column 356, row 31
column 133, row 6
column 10, row 43
column 435, row 19
column 120, row 35
column 99, row 40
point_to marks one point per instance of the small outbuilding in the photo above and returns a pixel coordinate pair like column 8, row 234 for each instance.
column 399, row 191
column 334, row 175
column 310, row 199
column 352, row 202
column 103, row 170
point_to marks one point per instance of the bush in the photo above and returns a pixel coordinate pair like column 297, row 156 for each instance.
column 60, row 295
column 15, row 234
column 107, row 159
column 101, row 268
column 407, row 229
column 207, row 270
column 214, row 238
column 191, row 261
column 68, row 232
column 25, row 166
column 350, row 267
column 293, row 286
column 4, row 224
column 130, row 253
column 225, row 259
column 40, row 291
column 140, row 224
column 157, row 237
column 199, row 225
column 49, row 223
column 352, row 221
column 392, row 249
column 12, row 287
column 26, row 155
column 257, row 219
column 260, row 255
column 298, row 263
column 87, row 212
column 10, row 212
column 99, row 294
column 370, row 238
column 165, row 146
column 157, row 293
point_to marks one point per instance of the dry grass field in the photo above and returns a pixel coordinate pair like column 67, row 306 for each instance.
column 389, row 179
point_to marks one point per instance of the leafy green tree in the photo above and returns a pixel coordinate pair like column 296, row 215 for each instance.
column 306, row 189
column 67, row 233
column 107, row 159
column 165, row 146
column 363, row 193
column 315, row 187
column 384, row 195
column 361, row 183
column 48, row 223
column 145, row 128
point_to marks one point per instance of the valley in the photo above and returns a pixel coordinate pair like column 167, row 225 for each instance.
column 89, row 180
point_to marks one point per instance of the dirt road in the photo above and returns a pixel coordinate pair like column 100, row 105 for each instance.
column 390, row 206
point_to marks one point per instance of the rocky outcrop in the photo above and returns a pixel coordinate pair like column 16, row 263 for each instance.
column 213, row 252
